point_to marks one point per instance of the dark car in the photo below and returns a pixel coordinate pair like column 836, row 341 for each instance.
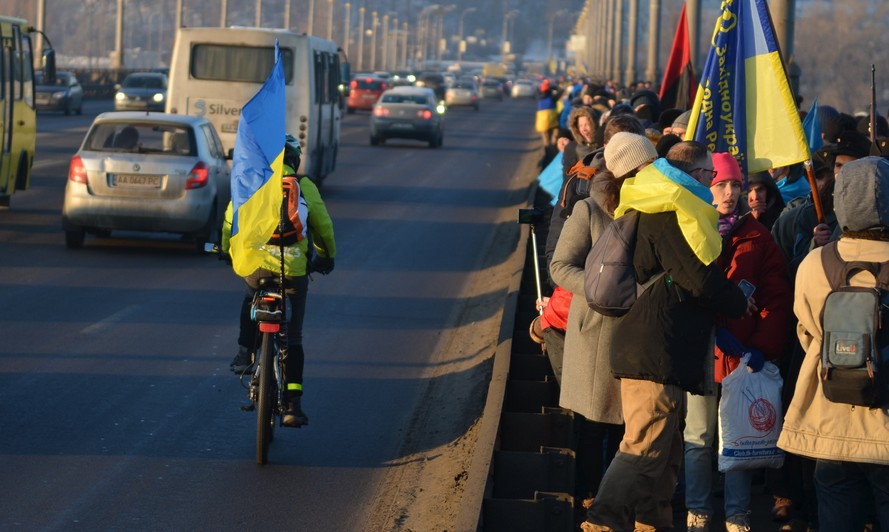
column 142, row 91
column 408, row 113
column 433, row 81
column 64, row 94
column 364, row 90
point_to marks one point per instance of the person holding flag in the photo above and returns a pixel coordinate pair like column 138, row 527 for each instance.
column 264, row 157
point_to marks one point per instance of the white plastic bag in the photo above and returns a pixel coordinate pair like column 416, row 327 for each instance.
column 750, row 419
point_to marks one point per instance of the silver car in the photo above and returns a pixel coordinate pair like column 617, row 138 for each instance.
column 408, row 113
column 153, row 172
column 524, row 88
column 462, row 93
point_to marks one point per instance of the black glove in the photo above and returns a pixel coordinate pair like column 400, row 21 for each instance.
column 322, row 265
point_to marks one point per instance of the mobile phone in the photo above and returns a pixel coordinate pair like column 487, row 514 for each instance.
column 747, row 287
column 530, row 216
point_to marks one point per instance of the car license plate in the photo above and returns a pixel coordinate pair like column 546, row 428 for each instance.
column 134, row 180
column 42, row 100
column 402, row 125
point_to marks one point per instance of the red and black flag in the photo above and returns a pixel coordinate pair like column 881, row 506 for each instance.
column 679, row 86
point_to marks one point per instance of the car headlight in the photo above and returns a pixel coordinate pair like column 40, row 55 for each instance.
column 58, row 95
column 440, row 108
column 158, row 97
column 120, row 96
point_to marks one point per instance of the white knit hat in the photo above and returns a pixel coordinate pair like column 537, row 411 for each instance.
column 627, row 151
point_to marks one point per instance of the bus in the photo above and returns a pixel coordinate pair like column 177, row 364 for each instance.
column 18, row 115
column 215, row 71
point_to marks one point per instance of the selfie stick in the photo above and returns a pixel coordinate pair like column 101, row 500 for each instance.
column 536, row 264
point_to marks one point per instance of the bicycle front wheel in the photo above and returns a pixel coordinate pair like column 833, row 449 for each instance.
column 265, row 410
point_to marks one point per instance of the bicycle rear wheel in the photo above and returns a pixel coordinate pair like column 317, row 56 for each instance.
column 265, row 418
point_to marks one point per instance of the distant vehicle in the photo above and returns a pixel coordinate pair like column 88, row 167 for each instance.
column 364, row 91
column 434, row 81
column 145, row 171
column 462, row 93
column 491, row 88
column 408, row 113
column 65, row 94
column 215, row 71
column 524, row 88
column 18, row 116
column 403, row 77
column 141, row 91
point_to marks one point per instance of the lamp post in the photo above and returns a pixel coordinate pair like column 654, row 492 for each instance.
column 384, row 56
column 462, row 45
column 442, row 44
column 223, row 13
column 374, row 22
column 258, row 21
column 310, row 18
column 423, row 32
column 360, row 38
column 329, row 20
column 504, row 42
column 549, row 34
column 346, row 27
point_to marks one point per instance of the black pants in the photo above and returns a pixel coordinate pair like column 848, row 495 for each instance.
column 297, row 288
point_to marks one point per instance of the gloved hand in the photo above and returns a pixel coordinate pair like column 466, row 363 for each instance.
column 728, row 344
column 754, row 360
column 322, row 265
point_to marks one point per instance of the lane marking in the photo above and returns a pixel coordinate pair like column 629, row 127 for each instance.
column 115, row 318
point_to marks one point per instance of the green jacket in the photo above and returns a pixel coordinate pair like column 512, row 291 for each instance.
column 320, row 229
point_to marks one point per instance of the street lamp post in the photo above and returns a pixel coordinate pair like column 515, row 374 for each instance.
column 258, row 22
column 549, row 34
column 384, row 56
column 373, row 40
column 223, row 12
column 329, row 20
column 505, row 48
column 462, row 45
column 310, row 18
column 346, row 27
column 361, row 38
column 423, row 32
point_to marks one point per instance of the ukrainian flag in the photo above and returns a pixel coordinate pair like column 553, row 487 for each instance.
column 257, row 167
column 744, row 105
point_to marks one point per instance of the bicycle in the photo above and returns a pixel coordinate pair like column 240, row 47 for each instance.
column 266, row 387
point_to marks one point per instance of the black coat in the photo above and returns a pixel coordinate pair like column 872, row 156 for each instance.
column 665, row 337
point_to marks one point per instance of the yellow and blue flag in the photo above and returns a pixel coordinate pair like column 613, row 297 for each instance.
column 257, row 167
column 744, row 105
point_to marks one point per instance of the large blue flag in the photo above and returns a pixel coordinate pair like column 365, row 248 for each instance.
column 257, row 167
column 812, row 127
column 744, row 105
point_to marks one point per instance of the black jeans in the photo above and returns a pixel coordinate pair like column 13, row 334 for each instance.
column 297, row 288
column 848, row 492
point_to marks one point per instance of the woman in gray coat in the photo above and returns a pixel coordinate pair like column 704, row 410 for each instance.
column 588, row 387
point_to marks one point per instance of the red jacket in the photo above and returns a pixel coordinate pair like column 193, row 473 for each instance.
column 556, row 312
column 749, row 252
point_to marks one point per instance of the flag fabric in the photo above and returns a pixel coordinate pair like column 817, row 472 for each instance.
column 550, row 178
column 257, row 167
column 678, row 88
column 812, row 127
column 744, row 105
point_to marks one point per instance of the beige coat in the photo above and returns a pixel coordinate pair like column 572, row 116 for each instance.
column 814, row 426
column 588, row 386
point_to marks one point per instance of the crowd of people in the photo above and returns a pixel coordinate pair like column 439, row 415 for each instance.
column 645, row 386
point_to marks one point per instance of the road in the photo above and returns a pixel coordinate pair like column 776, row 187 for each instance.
column 119, row 412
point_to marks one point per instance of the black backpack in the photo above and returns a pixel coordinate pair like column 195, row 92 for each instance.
column 609, row 278
column 855, row 324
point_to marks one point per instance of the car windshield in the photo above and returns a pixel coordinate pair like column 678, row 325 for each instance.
column 404, row 98
column 143, row 82
column 62, row 79
column 167, row 139
column 463, row 86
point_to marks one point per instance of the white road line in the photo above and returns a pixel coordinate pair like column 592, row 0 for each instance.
column 117, row 317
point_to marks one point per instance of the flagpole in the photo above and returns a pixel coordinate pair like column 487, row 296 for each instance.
column 873, row 104
column 816, row 199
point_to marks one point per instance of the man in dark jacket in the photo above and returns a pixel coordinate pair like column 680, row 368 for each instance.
column 667, row 335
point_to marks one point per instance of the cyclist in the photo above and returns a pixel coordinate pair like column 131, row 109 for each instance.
column 297, row 263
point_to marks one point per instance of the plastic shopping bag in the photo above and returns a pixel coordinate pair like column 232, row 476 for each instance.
column 750, row 419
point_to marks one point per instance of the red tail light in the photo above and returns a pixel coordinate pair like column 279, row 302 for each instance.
column 381, row 111
column 76, row 171
column 425, row 114
column 354, row 84
column 198, row 176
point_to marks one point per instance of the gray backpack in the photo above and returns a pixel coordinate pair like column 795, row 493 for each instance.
column 609, row 278
column 855, row 322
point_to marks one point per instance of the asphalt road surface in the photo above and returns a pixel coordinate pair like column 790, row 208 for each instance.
column 117, row 409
